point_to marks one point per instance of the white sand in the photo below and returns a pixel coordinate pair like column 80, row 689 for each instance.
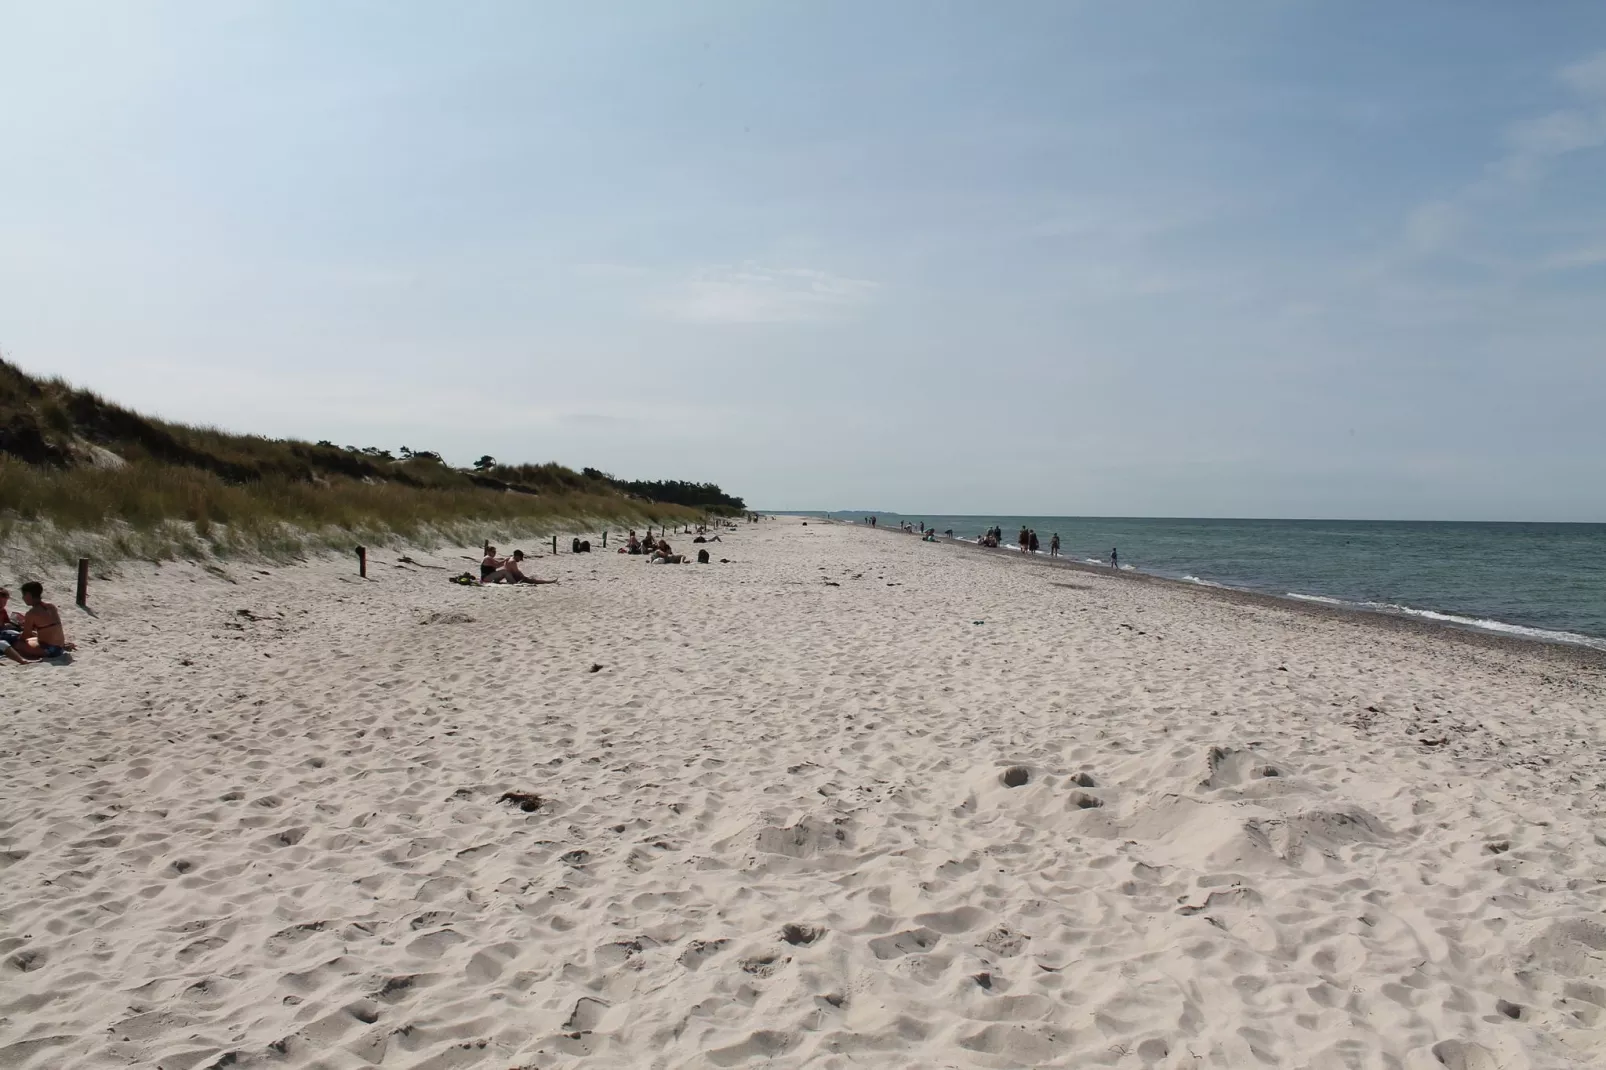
column 774, row 830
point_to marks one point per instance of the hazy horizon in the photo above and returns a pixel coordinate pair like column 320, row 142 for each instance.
column 1229, row 260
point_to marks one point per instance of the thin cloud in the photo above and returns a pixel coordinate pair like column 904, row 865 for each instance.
column 753, row 293
column 1533, row 147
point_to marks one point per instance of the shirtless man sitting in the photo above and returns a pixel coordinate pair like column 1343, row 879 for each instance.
column 514, row 574
column 42, row 634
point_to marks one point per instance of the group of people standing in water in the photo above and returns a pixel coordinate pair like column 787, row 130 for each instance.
column 993, row 538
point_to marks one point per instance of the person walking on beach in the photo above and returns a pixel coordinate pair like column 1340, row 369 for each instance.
column 1032, row 539
column 1115, row 558
column 1021, row 539
column 1054, row 545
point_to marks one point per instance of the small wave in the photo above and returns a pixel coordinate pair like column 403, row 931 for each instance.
column 1480, row 623
column 1323, row 599
column 1200, row 582
column 1500, row 626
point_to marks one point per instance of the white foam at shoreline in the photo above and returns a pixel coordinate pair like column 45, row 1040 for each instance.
column 1481, row 623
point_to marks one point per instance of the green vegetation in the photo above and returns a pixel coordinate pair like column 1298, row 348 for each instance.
column 71, row 462
column 704, row 496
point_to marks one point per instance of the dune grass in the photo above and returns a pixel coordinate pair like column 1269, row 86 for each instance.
column 80, row 473
column 155, row 511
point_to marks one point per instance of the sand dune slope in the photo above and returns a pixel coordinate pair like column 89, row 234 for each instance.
column 847, row 800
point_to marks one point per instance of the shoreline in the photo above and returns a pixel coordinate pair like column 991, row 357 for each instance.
column 1577, row 655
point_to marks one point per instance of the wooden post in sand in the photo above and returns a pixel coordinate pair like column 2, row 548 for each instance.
column 83, row 581
column 554, row 546
column 604, row 538
column 362, row 561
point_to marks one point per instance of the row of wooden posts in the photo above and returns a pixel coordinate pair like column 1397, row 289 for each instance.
column 362, row 557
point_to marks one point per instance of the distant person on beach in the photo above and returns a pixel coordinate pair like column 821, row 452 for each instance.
column 1115, row 558
column 634, row 545
column 42, row 635
column 1054, row 545
column 1033, row 537
column 514, row 574
column 1022, row 540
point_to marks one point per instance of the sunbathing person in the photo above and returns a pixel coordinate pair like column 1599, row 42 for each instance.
column 42, row 635
column 491, row 567
column 634, row 545
column 514, row 574
column 663, row 555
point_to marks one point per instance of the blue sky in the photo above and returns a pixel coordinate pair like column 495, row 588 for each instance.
column 1183, row 259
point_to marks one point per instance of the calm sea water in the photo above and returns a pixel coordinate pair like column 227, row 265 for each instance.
column 1546, row 581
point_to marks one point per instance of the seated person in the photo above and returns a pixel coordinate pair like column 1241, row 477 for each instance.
column 634, row 545
column 10, row 626
column 491, row 566
column 515, row 574
column 663, row 555
column 42, row 635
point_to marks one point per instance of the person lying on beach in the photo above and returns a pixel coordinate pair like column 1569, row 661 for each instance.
column 514, row 574
column 42, row 635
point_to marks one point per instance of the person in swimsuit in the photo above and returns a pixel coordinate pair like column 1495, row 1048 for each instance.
column 514, row 574
column 42, row 635
column 1054, row 545
column 491, row 566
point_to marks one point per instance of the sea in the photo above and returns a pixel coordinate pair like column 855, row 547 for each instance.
column 1538, row 581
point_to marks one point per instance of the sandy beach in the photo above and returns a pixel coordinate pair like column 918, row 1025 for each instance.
column 846, row 800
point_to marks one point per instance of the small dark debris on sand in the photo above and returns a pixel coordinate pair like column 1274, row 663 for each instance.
column 527, row 801
column 594, row 668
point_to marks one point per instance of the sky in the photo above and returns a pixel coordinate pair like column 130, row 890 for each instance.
column 1226, row 258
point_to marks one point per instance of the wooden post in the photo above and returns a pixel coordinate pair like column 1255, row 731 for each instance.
column 554, row 546
column 83, row 581
column 362, row 561
column 604, row 538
